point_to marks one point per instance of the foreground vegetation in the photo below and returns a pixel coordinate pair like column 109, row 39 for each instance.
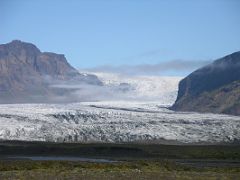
column 122, row 170
column 134, row 161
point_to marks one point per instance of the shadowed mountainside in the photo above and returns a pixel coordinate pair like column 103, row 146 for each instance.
column 214, row 88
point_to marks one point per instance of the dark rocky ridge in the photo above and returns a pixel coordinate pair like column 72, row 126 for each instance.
column 27, row 75
column 213, row 88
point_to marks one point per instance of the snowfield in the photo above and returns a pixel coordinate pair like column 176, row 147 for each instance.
column 120, row 121
column 162, row 89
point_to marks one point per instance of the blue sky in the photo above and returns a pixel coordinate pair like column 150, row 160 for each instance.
column 125, row 32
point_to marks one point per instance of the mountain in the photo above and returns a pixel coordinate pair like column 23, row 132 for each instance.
column 29, row 75
column 214, row 88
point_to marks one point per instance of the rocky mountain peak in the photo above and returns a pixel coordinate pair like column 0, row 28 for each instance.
column 26, row 72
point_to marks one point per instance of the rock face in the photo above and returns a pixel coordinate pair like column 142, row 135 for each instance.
column 27, row 74
column 214, row 88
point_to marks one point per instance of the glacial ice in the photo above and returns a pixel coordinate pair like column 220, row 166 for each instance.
column 117, row 121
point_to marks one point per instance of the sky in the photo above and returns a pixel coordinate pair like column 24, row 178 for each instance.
column 126, row 33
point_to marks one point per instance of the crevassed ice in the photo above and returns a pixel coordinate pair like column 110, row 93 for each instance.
column 113, row 122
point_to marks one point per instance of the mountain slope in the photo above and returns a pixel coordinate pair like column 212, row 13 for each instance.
column 27, row 74
column 213, row 88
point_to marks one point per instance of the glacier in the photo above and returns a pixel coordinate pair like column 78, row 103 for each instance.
column 162, row 89
column 114, row 122
column 130, row 109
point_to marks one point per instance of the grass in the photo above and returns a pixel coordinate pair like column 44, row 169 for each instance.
column 124, row 170
column 136, row 161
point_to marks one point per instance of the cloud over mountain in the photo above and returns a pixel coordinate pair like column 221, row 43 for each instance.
column 178, row 66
